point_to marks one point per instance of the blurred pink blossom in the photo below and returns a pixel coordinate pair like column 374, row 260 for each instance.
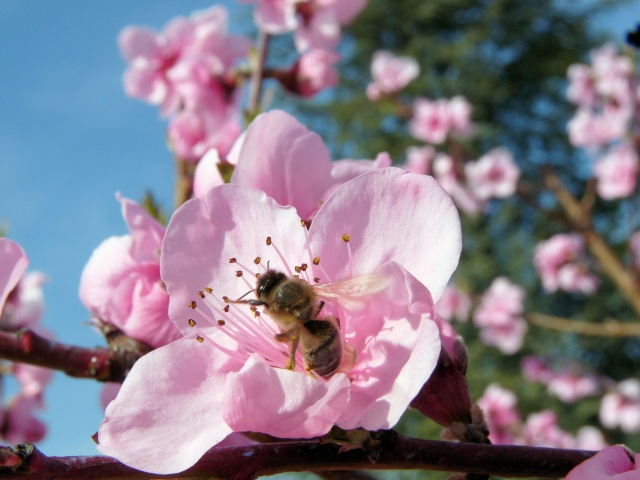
column 419, row 159
column 274, row 16
column 434, row 120
column 454, row 303
column 581, row 90
column 615, row 462
column 617, row 172
column 390, row 73
column 314, row 72
column 499, row 316
column 121, row 283
column 501, row 414
column 13, row 263
column 494, row 175
column 444, row 169
column 239, row 382
column 542, row 430
column 590, row 438
column 321, row 21
column 561, row 264
column 157, row 62
column 621, row 407
column 20, row 423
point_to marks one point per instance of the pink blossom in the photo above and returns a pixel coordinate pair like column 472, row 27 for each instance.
column 347, row 169
column 494, row 175
column 32, row 380
column 419, row 159
column 590, row 438
column 236, row 380
column 314, row 72
column 614, row 462
column 542, row 430
column 621, row 407
column 25, row 305
column 121, row 283
column 499, row 316
column 571, row 387
column 13, row 263
column 20, row 424
column 501, row 414
column 560, row 263
column 568, row 383
column 207, row 174
column 534, row 369
column 581, row 90
column 460, row 115
column 444, row 169
column 617, row 172
column 612, row 73
column 574, row 277
column 391, row 73
column 158, row 62
column 454, row 303
column 321, row 22
column 210, row 120
column 431, row 121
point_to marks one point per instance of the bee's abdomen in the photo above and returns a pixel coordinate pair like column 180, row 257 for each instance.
column 324, row 354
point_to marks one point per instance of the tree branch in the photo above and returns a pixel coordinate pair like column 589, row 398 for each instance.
column 608, row 328
column 395, row 452
column 580, row 219
column 100, row 363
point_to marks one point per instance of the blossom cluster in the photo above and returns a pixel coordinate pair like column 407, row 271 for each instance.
column 540, row 429
column 471, row 183
column 607, row 96
column 187, row 69
column 21, row 306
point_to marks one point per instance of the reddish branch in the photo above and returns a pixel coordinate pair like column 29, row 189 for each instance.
column 100, row 363
column 394, row 452
column 580, row 219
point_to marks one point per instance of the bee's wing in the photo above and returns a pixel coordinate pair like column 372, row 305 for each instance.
column 352, row 293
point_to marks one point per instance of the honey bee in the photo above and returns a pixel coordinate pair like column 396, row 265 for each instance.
column 295, row 305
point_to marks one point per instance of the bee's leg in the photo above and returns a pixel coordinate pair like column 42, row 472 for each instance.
column 320, row 307
column 292, row 336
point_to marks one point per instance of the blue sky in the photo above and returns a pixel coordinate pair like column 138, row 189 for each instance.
column 70, row 139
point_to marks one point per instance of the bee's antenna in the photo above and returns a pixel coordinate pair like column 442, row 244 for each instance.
column 238, row 300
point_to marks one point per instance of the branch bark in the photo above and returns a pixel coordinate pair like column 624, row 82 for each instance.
column 100, row 363
column 395, row 452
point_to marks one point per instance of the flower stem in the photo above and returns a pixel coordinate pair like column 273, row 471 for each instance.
column 257, row 75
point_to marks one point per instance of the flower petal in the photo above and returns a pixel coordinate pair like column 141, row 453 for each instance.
column 283, row 403
column 281, row 157
column 391, row 215
column 397, row 347
column 612, row 462
column 146, row 231
column 13, row 263
column 230, row 222
column 171, row 398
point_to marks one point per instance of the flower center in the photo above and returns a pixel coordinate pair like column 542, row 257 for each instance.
column 296, row 332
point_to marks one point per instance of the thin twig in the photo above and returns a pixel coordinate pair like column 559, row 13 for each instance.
column 257, row 75
column 99, row 363
column 608, row 328
column 395, row 453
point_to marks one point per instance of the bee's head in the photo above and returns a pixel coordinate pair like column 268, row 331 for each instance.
column 268, row 282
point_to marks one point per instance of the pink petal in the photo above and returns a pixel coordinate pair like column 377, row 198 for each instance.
column 283, row 403
column 397, row 347
column 136, row 42
column 108, row 393
column 13, row 263
column 612, row 462
column 281, row 157
column 231, row 221
column 207, row 174
column 391, row 215
column 146, row 231
column 168, row 412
